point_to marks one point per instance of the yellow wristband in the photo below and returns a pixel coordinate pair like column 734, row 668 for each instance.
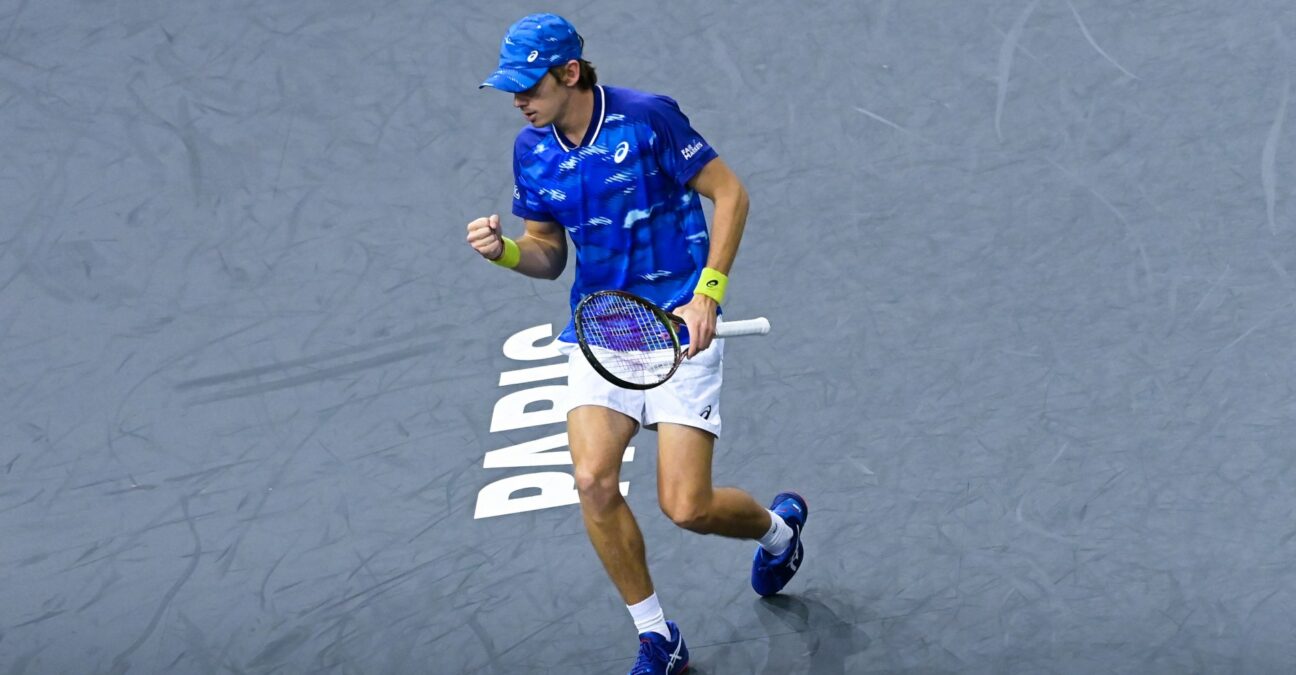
column 511, row 255
column 712, row 284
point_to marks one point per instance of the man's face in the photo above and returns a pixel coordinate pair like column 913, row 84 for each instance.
column 543, row 103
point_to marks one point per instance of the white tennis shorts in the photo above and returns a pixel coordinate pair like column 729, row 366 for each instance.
column 691, row 396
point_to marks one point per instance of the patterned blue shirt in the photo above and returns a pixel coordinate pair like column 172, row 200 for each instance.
column 622, row 196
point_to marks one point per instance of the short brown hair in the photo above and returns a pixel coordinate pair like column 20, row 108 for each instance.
column 588, row 77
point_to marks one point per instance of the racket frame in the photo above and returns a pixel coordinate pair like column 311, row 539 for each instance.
column 666, row 318
column 757, row 326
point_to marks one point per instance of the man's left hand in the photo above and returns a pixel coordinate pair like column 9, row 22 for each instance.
column 700, row 317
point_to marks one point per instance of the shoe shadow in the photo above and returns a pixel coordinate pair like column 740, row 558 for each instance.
column 820, row 641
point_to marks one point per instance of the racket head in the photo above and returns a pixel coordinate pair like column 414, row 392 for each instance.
column 628, row 340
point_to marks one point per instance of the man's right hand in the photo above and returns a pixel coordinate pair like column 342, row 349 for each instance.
column 485, row 238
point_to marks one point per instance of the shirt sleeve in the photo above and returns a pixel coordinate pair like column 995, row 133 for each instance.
column 680, row 149
column 526, row 201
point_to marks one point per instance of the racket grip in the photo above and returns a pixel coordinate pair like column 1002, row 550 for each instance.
column 757, row 326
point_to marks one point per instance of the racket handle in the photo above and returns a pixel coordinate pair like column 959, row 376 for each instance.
column 757, row 326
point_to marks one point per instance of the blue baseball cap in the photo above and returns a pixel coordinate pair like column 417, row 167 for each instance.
column 531, row 47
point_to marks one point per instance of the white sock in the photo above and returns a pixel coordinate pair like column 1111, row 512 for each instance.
column 648, row 616
column 779, row 537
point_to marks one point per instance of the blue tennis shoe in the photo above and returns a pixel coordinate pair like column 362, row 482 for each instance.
column 659, row 656
column 771, row 573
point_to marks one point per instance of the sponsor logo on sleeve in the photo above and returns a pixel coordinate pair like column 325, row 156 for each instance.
column 692, row 149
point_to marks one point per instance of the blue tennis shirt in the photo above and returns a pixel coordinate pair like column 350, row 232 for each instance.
column 622, row 196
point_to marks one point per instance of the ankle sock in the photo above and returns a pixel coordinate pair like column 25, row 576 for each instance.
column 779, row 536
column 648, row 616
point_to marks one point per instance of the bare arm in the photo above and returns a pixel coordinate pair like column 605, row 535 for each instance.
column 543, row 247
column 719, row 184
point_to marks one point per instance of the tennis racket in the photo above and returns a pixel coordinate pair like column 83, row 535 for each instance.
column 633, row 343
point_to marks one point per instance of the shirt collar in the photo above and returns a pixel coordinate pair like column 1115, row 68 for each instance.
column 595, row 126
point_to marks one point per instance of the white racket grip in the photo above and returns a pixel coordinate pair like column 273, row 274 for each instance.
column 728, row 329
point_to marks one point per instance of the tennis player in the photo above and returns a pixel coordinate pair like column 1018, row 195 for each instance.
column 619, row 172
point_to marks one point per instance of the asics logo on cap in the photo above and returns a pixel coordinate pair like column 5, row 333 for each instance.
column 531, row 42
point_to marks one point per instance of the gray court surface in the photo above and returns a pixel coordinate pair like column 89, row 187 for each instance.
column 1031, row 267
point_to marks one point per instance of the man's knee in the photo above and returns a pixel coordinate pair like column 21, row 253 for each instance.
column 691, row 513
column 599, row 491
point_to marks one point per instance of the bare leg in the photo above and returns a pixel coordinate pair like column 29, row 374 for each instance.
column 598, row 438
column 685, row 492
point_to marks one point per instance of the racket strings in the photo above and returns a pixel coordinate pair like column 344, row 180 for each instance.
column 628, row 339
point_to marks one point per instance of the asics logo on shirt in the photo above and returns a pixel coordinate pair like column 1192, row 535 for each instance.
column 622, row 149
column 692, row 149
column 532, row 56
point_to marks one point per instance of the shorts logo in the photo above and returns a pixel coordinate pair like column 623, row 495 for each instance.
column 516, row 193
column 692, row 149
column 622, row 149
column 533, row 56
column 706, row 413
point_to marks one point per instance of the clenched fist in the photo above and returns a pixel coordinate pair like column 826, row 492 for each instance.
column 485, row 238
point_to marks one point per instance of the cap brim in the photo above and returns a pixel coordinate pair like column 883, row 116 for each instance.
column 514, row 81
